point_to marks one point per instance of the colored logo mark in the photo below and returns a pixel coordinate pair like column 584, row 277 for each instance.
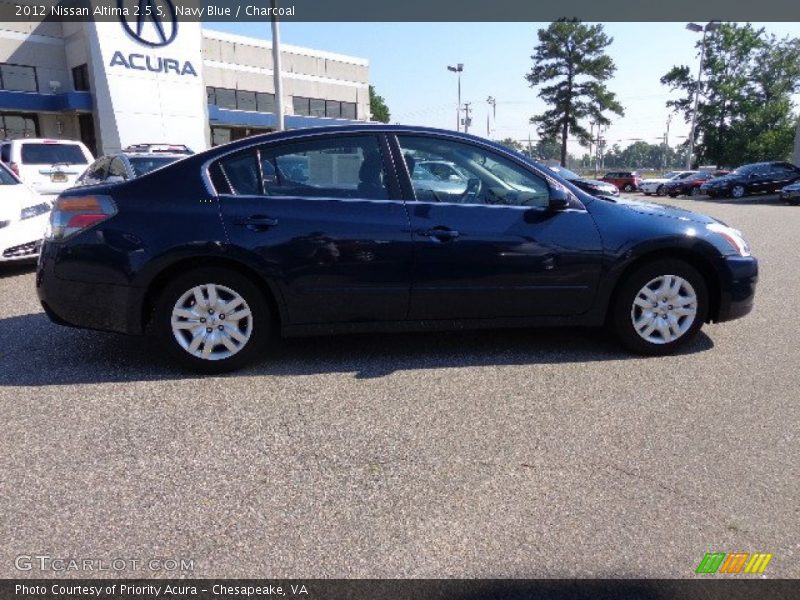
column 735, row 562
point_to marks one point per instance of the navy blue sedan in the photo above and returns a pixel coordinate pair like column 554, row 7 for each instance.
column 327, row 230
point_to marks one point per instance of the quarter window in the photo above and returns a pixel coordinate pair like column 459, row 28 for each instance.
column 461, row 173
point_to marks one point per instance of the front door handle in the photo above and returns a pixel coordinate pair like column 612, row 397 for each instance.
column 257, row 222
column 441, row 234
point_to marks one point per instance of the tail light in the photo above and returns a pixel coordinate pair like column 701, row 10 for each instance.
column 14, row 167
column 73, row 214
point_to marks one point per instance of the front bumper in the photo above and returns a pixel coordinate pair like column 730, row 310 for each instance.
column 20, row 240
column 790, row 195
column 739, row 278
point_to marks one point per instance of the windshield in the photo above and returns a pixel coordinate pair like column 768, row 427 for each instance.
column 6, row 178
column 142, row 165
column 685, row 175
column 50, row 154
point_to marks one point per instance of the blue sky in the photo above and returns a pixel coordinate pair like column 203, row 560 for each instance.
column 408, row 68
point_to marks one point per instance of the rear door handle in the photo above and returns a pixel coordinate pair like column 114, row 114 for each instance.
column 257, row 222
column 441, row 234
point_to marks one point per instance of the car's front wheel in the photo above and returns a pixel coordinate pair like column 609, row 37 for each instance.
column 212, row 320
column 660, row 190
column 660, row 307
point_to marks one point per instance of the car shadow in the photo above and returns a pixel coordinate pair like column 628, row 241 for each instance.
column 35, row 352
column 22, row 267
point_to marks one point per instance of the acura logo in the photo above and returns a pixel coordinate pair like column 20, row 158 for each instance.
column 150, row 22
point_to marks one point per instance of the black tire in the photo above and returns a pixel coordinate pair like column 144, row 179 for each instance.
column 738, row 191
column 259, row 322
column 627, row 188
column 694, row 192
column 621, row 318
column 660, row 190
column 793, row 202
column 673, row 194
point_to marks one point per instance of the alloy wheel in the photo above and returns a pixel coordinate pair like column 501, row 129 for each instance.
column 737, row 191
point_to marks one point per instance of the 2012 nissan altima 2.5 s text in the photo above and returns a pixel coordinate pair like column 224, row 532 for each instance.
column 327, row 230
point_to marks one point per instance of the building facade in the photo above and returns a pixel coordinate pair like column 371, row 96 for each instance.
column 113, row 84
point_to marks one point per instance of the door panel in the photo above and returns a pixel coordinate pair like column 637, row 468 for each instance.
column 504, row 262
column 491, row 247
column 336, row 260
column 325, row 226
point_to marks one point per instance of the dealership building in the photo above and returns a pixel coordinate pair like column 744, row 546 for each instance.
column 117, row 83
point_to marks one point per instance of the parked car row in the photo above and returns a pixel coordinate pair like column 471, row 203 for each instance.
column 757, row 178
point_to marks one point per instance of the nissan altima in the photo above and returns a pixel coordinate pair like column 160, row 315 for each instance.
column 216, row 253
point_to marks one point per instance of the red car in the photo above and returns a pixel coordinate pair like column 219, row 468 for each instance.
column 690, row 186
column 627, row 181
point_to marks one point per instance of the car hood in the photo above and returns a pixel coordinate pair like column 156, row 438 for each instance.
column 661, row 210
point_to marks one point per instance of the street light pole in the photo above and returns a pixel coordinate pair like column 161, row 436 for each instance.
column 457, row 70
column 710, row 26
column 493, row 103
column 276, row 68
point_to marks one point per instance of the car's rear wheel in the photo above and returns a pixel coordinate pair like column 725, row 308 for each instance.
column 695, row 191
column 660, row 190
column 660, row 307
column 627, row 187
column 212, row 320
column 738, row 191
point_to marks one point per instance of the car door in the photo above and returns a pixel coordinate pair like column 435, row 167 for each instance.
column 324, row 218
column 493, row 248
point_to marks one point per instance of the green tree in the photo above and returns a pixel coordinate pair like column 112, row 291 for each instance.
column 744, row 111
column 377, row 107
column 571, row 66
column 514, row 145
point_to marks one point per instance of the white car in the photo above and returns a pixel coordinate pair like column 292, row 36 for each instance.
column 24, row 216
column 46, row 166
column 653, row 186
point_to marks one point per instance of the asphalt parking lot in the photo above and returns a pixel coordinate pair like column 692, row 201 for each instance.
column 492, row 454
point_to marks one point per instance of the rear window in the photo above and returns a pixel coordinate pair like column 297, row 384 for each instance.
column 48, row 154
column 144, row 165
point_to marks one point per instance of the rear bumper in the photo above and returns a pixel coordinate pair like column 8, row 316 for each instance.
column 101, row 306
column 739, row 287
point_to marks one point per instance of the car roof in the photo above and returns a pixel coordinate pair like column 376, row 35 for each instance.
column 42, row 141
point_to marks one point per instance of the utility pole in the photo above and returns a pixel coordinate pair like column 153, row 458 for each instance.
column 710, row 26
column 467, row 119
column 276, row 68
column 458, row 69
column 493, row 103
column 666, row 144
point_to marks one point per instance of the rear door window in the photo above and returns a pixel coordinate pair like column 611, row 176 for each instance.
column 48, row 154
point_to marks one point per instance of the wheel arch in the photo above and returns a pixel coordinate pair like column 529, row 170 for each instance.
column 183, row 265
column 692, row 256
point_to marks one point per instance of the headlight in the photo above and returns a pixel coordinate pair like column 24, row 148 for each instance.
column 732, row 236
column 34, row 211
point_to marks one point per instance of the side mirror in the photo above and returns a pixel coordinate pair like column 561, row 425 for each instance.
column 559, row 199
